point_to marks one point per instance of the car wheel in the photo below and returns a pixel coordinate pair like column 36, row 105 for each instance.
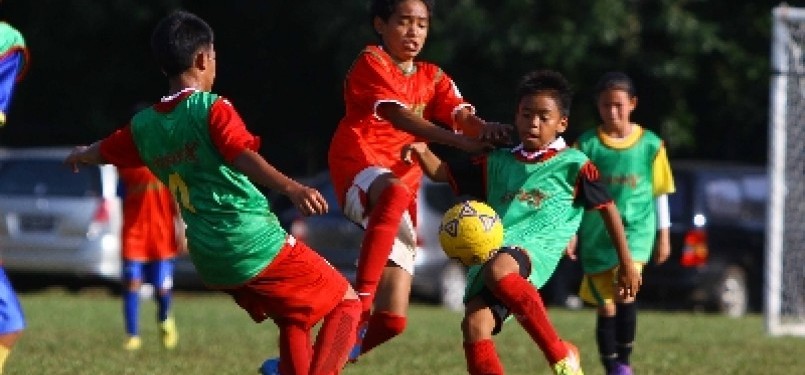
column 732, row 293
column 453, row 281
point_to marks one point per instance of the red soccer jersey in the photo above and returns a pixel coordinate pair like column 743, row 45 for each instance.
column 364, row 139
column 148, row 232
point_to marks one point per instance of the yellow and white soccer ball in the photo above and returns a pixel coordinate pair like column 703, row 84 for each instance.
column 471, row 232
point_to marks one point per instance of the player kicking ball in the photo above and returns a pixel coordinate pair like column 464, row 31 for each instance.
column 540, row 189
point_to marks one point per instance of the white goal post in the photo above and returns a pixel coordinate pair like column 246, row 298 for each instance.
column 784, row 290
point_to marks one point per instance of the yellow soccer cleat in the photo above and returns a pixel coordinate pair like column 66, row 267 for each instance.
column 570, row 365
column 133, row 343
column 170, row 336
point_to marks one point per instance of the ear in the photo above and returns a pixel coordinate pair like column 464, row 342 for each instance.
column 562, row 125
column 201, row 60
column 633, row 101
column 379, row 25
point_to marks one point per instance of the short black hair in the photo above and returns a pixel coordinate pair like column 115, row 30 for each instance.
column 547, row 81
column 615, row 81
column 385, row 8
column 177, row 38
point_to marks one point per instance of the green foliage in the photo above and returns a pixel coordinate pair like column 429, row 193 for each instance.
column 83, row 334
column 702, row 76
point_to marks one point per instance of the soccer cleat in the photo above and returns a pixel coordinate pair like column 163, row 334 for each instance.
column 571, row 364
column 621, row 369
column 356, row 349
column 270, row 367
column 170, row 336
column 133, row 343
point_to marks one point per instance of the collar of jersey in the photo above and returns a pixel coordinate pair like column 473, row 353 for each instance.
column 546, row 153
column 621, row 143
column 168, row 103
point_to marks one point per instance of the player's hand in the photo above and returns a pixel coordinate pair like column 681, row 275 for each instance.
column 416, row 148
column 497, row 133
column 662, row 249
column 629, row 281
column 474, row 145
column 76, row 157
column 308, row 201
column 570, row 250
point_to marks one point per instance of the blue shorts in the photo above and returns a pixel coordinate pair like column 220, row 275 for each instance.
column 11, row 317
column 158, row 273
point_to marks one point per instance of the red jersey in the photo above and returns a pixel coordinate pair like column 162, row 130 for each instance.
column 148, row 231
column 365, row 139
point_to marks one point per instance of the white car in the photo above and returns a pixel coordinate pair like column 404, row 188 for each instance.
column 54, row 222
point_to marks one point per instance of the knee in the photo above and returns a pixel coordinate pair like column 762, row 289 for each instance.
column 474, row 328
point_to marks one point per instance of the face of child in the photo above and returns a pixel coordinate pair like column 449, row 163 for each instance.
column 539, row 120
column 406, row 30
column 615, row 107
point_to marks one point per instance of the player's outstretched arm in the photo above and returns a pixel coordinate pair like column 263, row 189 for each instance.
column 308, row 200
column 84, row 155
column 432, row 166
column 474, row 126
column 629, row 278
column 407, row 121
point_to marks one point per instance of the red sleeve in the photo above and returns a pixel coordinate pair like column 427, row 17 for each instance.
column 119, row 149
column 446, row 99
column 589, row 190
column 228, row 131
column 370, row 80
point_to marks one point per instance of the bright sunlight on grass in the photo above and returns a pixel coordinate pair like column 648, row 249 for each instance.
column 83, row 333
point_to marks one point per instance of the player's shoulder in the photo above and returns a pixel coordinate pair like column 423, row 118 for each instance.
column 574, row 154
column 587, row 136
column 648, row 134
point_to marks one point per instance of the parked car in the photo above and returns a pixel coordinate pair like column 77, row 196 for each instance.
column 436, row 278
column 718, row 216
column 54, row 222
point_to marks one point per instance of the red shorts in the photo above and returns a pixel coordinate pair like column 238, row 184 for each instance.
column 298, row 287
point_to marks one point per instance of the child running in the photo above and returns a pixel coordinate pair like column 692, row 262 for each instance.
column 636, row 172
column 392, row 100
column 196, row 143
column 540, row 188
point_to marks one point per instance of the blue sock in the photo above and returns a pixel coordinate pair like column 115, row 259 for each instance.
column 131, row 311
column 164, row 303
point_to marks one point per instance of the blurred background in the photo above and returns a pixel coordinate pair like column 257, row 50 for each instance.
column 702, row 77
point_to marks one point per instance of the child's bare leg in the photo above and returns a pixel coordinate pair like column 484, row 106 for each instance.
column 522, row 298
column 479, row 349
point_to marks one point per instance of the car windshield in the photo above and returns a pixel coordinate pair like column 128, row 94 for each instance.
column 42, row 177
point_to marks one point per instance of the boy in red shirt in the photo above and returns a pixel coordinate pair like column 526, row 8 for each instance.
column 392, row 100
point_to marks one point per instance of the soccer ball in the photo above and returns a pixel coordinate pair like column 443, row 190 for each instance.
column 470, row 232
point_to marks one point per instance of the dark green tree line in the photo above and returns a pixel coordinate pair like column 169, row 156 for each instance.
column 702, row 73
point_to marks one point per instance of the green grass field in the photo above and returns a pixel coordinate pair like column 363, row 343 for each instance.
column 76, row 334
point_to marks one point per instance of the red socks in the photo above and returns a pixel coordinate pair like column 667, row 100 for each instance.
column 524, row 301
column 295, row 350
column 482, row 359
column 335, row 338
column 383, row 326
column 382, row 228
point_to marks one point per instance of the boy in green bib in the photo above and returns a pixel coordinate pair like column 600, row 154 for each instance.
column 196, row 143
column 540, row 189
